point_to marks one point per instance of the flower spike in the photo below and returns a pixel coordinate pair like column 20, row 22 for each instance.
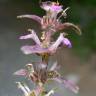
column 39, row 72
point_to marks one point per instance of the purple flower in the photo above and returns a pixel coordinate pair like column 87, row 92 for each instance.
column 61, row 39
column 32, row 36
column 56, row 8
column 52, row 74
column 51, row 6
column 43, row 47
column 68, row 84
column 27, row 72
column 52, row 25
column 34, row 72
column 55, row 76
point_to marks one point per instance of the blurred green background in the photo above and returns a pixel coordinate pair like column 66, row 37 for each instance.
column 78, row 63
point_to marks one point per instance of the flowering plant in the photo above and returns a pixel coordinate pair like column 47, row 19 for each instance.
column 38, row 72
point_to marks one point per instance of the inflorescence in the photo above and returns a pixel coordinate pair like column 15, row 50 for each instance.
column 45, row 46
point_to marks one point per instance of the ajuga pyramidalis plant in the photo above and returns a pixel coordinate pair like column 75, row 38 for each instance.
column 45, row 46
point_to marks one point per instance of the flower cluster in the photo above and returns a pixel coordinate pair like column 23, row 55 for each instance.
column 38, row 72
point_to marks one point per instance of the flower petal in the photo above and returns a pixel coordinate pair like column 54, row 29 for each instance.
column 21, row 72
column 66, row 42
column 34, row 17
column 45, row 5
column 55, row 45
column 68, row 84
column 50, row 6
column 33, row 49
column 60, row 40
column 29, row 36
column 56, row 8
column 32, row 36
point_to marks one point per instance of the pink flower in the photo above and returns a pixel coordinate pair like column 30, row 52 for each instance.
column 51, row 6
column 52, row 25
column 55, row 76
column 27, row 72
column 52, row 74
column 39, row 72
column 43, row 47
column 35, row 73
column 68, row 84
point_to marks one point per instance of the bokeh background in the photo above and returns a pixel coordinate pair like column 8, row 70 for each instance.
column 78, row 63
